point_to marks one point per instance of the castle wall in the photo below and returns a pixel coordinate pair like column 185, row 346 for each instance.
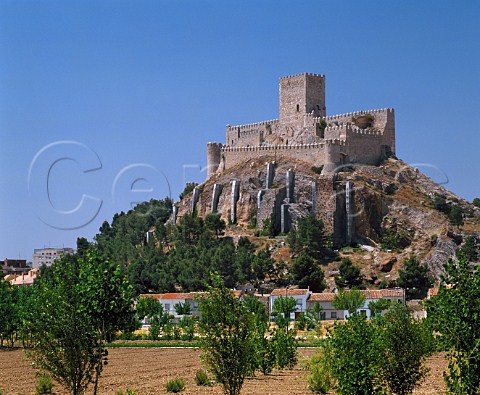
column 310, row 153
column 364, row 147
column 250, row 134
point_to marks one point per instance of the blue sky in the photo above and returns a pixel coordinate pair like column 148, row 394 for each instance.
column 105, row 97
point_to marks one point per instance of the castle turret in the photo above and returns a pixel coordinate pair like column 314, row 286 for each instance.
column 214, row 155
column 302, row 94
column 333, row 156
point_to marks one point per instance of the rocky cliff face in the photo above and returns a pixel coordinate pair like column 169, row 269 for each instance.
column 370, row 203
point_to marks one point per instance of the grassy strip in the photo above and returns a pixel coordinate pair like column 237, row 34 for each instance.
column 152, row 344
column 167, row 344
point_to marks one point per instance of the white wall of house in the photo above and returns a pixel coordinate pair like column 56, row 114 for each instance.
column 300, row 299
column 169, row 306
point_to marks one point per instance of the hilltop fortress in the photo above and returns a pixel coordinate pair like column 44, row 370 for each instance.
column 270, row 174
column 303, row 131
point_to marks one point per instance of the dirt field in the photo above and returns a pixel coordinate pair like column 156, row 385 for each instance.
column 147, row 371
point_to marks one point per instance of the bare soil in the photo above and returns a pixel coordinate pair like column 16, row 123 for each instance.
column 146, row 370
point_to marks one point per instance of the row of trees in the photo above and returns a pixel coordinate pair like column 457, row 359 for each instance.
column 82, row 301
column 370, row 356
column 74, row 309
column 68, row 315
column 386, row 354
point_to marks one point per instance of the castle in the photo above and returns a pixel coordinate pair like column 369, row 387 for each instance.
column 304, row 132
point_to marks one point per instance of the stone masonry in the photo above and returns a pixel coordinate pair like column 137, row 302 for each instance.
column 304, row 132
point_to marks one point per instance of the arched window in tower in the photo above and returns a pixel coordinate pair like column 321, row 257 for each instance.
column 298, row 107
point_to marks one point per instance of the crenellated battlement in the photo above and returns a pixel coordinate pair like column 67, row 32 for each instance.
column 273, row 148
column 302, row 74
column 251, row 125
column 357, row 113
column 303, row 131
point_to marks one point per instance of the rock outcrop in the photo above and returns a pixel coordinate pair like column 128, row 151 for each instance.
column 393, row 199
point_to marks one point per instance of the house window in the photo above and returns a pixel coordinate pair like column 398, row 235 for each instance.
column 167, row 306
column 298, row 107
column 333, row 315
column 363, row 312
column 323, row 315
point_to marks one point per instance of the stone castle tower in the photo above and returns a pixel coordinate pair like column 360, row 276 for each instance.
column 304, row 132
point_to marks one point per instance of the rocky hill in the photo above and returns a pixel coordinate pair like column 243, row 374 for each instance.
column 377, row 215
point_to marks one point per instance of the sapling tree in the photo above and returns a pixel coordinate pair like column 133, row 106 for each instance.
column 353, row 355
column 227, row 330
column 454, row 315
column 79, row 307
column 348, row 300
column 404, row 345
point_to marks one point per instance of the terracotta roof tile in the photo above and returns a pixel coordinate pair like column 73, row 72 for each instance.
column 321, row 297
column 289, row 292
column 179, row 295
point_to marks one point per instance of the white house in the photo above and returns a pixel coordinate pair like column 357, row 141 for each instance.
column 373, row 295
column 300, row 295
column 328, row 312
column 325, row 299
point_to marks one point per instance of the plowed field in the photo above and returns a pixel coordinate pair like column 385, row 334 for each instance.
column 147, row 370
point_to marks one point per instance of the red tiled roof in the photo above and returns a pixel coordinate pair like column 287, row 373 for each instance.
column 368, row 293
column 382, row 293
column 289, row 292
column 321, row 297
column 179, row 295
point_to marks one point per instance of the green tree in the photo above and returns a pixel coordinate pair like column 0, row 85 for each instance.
column 453, row 314
column 148, row 307
column 348, row 300
column 308, row 237
column 227, row 331
column 349, row 275
column 284, row 346
column 189, row 187
column 244, row 255
column 469, row 248
column 7, row 312
column 283, row 338
column 64, row 338
column 415, row 279
column 214, row 223
column 282, row 309
column 306, row 272
column 377, row 307
column 321, row 378
column 263, row 265
column 77, row 310
column 476, row 202
column 404, row 345
column 265, row 358
column 82, row 246
column 353, row 356
column 456, row 215
column 183, row 308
